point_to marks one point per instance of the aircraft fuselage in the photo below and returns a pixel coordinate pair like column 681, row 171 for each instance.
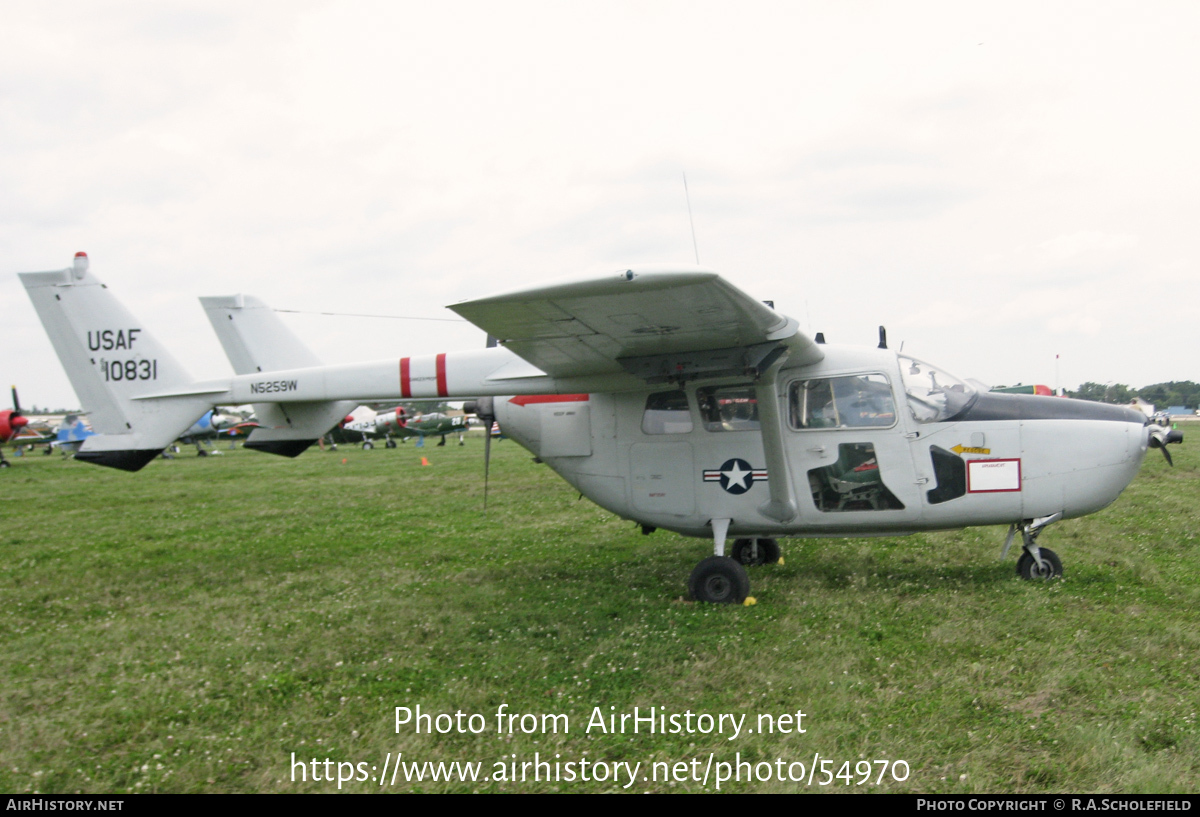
column 677, row 458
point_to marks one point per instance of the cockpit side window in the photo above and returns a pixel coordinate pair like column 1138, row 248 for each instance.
column 728, row 408
column 667, row 413
column 854, row 401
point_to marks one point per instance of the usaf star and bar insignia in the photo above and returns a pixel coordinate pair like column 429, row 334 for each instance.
column 736, row 476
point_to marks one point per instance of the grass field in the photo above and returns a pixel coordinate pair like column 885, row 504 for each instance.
column 189, row 627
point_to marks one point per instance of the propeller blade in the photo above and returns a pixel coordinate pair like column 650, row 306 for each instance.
column 1161, row 437
column 16, row 402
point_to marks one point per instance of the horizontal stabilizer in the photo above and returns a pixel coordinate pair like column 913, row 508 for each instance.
column 289, row 428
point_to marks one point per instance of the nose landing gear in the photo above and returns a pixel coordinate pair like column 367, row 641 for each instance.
column 1035, row 562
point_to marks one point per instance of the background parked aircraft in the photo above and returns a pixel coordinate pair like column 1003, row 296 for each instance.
column 364, row 425
column 12, row 422
column 215, row 425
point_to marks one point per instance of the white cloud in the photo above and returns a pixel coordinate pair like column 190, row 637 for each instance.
column 1027, row 176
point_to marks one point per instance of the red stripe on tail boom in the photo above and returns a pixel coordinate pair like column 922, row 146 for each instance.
column 441, row 376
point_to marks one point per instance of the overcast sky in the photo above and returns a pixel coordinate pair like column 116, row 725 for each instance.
column 996, row 183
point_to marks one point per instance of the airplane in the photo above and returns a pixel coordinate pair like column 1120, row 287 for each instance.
column 435, row 424
column 12, row 421
column 18, row 430
column 364, row 424
column 72, row 432
column 213, row 425
column 667, row 396
column 1045, row 391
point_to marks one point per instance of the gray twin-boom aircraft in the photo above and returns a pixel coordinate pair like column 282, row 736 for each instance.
column 667, row 396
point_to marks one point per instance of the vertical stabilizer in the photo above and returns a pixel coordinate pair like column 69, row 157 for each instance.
column 113, row 363
column 256, row 340
column 253, row 336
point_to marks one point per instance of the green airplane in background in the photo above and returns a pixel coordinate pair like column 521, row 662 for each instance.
column 365, row 425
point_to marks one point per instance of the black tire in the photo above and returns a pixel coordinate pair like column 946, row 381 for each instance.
column 743, row 552
column 390, row 444
column 719, row 580
column 1027, row 568
column 368, row 445
column 5, row 464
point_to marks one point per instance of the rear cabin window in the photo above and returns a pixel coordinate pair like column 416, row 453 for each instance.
column 728, row 408
column 856, row 401
column 667, row 413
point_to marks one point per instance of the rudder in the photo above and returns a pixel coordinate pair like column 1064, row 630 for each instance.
column 114, row 365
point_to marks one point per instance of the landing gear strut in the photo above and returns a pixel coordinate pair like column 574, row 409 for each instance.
column 756, row 551
column 719, row 579
column 1035, row 562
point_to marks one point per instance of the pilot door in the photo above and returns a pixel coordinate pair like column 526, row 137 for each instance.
column 850, row 461
column 971, row 468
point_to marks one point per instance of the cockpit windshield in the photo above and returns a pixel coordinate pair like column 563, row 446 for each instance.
column 934, row 395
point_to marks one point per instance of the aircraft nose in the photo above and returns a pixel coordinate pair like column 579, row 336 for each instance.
column 19, row 422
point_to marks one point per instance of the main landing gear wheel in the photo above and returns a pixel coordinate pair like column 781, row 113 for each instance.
column 744, row 552
column 367, row 446
column 390, row 444
column 719, row 580
column 1051, row 567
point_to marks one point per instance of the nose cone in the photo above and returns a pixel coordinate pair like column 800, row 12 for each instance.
column 19, row 422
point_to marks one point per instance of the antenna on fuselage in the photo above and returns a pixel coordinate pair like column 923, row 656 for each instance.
column 882, row 338
column 691, row 221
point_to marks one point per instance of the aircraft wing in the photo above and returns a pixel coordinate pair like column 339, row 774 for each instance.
column 29, row 438
column 651, row 323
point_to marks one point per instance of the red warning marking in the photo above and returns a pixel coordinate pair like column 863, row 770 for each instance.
column 526, row 399
column 405, row 382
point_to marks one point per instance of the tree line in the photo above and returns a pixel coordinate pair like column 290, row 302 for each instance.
column 1173, row 393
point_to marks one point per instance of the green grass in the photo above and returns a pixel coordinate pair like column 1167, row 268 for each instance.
column 189, row 627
